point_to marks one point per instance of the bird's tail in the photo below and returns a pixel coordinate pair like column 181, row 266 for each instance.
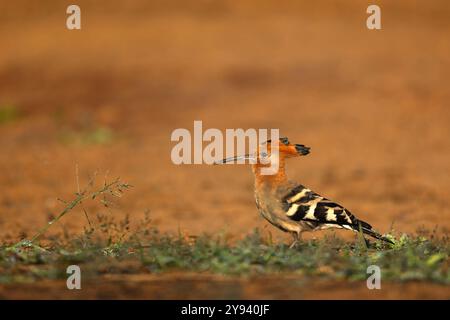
column 367, row 229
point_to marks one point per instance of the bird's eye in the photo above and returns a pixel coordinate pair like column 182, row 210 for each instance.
column 284, row 141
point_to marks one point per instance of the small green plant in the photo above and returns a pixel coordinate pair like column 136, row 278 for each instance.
column 114, row 188
column 8, row 114
column 99, row 135
column 88, row 136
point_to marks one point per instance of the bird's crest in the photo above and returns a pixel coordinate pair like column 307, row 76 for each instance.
column 288, row 149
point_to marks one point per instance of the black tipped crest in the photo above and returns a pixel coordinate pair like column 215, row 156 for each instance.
column 283, row 140
column 302, row 150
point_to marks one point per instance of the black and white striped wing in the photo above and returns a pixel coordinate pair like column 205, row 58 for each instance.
column 302, row 204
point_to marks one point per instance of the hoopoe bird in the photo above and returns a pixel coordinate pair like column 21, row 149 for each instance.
column 291, row 206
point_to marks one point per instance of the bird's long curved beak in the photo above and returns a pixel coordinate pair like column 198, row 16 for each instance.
column 237, row 159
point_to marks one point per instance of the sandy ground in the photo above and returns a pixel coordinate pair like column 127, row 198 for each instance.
column 190, row 286
column 372, row 105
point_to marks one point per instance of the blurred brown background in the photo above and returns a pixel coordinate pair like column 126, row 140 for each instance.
column 373, row 105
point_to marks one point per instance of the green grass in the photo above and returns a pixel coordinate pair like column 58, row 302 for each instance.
column 108, row 246
column 112, row 247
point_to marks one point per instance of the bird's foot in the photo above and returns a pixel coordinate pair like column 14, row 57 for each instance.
column 293, row 244
column 296, row 240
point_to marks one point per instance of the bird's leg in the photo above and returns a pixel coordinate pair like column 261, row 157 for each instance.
column 296, row 239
